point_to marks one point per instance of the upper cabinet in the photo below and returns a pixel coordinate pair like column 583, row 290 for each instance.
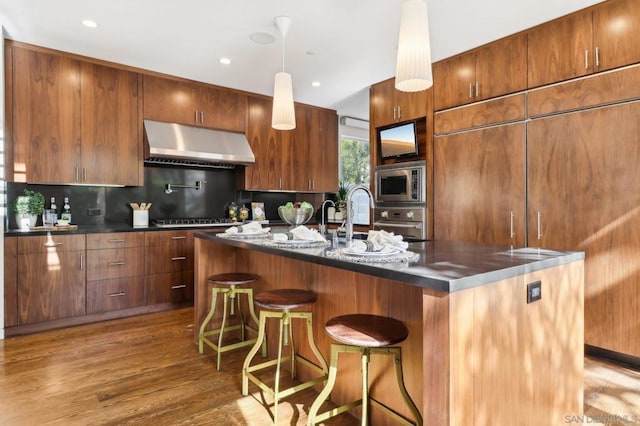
column 389, row 105
column 595, row 39
column 71, row 121
column 194, row 104
column 492, row 70
column 304, row 159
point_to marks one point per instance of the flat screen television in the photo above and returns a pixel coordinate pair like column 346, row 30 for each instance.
column 398, row 140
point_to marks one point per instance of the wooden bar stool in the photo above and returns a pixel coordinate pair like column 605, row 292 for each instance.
column 278, row 304
column 368, row 335
column 227, row 284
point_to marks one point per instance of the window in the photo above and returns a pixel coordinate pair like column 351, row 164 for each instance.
column 354, row 170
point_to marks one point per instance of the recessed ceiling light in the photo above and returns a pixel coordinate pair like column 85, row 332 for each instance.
column 225, row 61
column 89, row 23
column 316, row 84
column 262, row 38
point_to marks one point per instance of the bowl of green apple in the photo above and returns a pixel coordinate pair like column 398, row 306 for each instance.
column 297, row 213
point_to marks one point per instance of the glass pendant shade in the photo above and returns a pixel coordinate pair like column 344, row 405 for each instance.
column 283, row 116
column 413, row 67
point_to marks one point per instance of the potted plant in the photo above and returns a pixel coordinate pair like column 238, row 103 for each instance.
column 341, row 197
column 27, row 207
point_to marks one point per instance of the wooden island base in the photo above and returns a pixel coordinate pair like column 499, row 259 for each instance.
column 480, row 356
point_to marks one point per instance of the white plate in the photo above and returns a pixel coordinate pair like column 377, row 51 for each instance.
column 245, row 234
column 352, row 252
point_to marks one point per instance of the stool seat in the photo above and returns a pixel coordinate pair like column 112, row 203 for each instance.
column 286, row 298
column 232, row 278
column 370, row 331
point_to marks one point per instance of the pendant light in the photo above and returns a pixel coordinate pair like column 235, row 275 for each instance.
column 283, row 116
column 413, row 67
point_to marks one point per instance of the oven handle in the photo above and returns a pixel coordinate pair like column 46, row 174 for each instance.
column 417, row 225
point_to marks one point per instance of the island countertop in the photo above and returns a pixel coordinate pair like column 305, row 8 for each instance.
column 446, row 266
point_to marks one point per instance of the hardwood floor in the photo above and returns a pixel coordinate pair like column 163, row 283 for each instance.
column 146, row 370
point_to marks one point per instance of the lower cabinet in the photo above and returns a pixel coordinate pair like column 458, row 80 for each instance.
column 115, row 271
column 169, row 267
column 58, row 280
column 51, row 278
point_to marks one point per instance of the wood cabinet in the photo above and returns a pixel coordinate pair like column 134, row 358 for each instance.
column 51, row 277
column 194, row 104
column 492, row 70
column 72, row 121
column 389, row 105
column 169, row 267
column 479, row 185
column 10, row 281
column 115, row 271
column 583, row 194
column 111, row 126
column 590, row 40
column 304, row 159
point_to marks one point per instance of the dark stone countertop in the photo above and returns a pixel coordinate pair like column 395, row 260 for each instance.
column 120, row 227
column 445, row 266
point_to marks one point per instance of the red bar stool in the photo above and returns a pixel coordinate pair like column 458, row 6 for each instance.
column 278, row 304
column 368, row 335
column 227, row 284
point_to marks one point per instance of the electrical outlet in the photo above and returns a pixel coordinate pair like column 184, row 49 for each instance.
column 534, row 291
column 94, row 212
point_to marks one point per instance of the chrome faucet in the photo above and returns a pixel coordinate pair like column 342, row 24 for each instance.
column 349, row 218
column 323, row 227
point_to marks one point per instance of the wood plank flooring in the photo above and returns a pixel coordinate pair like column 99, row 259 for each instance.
column 147, row 370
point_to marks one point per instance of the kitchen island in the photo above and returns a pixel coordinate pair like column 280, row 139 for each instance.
column 477, row 352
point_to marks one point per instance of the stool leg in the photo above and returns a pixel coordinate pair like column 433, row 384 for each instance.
column 397, row 359
column 224, row 320
column 205, row 322
column 252, row 312
column 312, row 344
column 326, row 391
column 254, row 349
column 365, row 386
column 276, row 385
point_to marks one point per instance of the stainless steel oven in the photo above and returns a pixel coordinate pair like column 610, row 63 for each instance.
column 400, row 182
column 407, row 221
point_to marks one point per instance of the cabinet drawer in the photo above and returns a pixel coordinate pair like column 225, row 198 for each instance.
column 115, row 240
column 46, row 243
column 174, row 287
column 161, row 259
column 168, row 238
column 114, row 263
column 115, row 294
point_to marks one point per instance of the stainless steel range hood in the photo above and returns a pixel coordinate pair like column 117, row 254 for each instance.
column 178, row 144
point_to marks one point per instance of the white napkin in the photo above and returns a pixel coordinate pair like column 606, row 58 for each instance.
column 299, row 233
column 253, row 227
column 380, row 242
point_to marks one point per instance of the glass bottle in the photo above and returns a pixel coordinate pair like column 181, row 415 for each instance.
column 66, row 210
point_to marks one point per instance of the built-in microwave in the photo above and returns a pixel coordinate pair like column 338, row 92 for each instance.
column 401, row 182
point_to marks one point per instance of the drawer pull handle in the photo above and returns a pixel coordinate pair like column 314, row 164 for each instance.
column 122, row 293
column 116, row 241
column 182, row 237
column 179, row 258
column 52, row 244
column 116, row 263
column 179, row 286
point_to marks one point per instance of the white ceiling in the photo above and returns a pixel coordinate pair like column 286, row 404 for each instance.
column 346, row 45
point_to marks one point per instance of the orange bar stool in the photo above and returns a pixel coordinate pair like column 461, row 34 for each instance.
column 368, row 335
column 278, row 304
column 228, row 285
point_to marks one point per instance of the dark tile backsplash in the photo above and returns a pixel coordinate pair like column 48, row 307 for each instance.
column 113, row 203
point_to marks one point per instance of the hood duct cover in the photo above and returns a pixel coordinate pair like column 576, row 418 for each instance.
column 179, row 144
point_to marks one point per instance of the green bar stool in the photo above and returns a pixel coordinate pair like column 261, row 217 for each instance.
column 368, row 335
column 278, row 304
column 227, row 284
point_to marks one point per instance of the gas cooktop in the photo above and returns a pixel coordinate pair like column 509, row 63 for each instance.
column 193, row 221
